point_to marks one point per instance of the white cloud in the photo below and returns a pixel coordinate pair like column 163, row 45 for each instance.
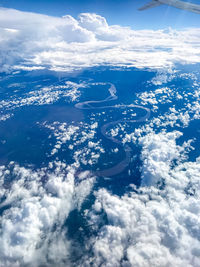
column 69, row 137
column 156, row 164
column 62, row 133
column 37, row 205
column 158, row 224
column 42, row 96
column 178, row 106
column 92, row 22
column 30, row 41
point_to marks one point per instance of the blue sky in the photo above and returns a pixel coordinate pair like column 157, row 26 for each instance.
column 122, row 12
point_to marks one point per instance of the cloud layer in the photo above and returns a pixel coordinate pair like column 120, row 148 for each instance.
column 157, row 225
column 29, row 41
column 36, row 205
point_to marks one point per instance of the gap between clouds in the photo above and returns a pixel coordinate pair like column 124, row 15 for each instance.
column 30, row 41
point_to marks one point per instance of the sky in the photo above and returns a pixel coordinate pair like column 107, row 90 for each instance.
column 120, row 12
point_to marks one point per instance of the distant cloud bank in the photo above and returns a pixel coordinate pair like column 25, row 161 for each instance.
column 30, row 41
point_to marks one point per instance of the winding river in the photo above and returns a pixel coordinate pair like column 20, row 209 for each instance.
column 90, row 105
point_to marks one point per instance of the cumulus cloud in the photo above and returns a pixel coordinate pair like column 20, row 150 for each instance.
column 92, row 22
column 36, row 205
column 30, row 40
column 44, row 96
column 155, row 164
column 158, row 224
